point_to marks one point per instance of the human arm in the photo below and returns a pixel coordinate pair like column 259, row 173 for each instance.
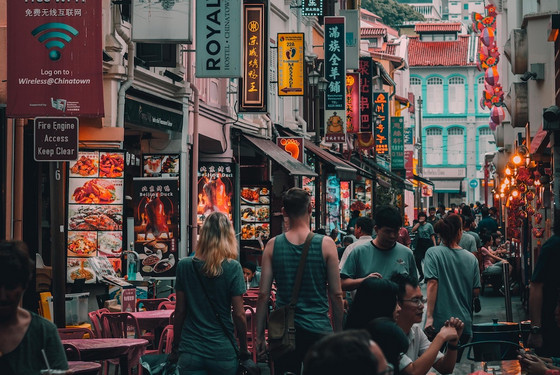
column 415, row 227
column 240, row 323
column 53, row 348
column 351, row 270
column 353, row 284
column 431, row 291
column 426, row 360
column 446, row 364
column 433, row 237
column 264, row 295
column 533, row 365
column 333, row 278
column 535, row 310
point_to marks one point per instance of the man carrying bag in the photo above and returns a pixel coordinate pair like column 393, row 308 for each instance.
column 319, row 281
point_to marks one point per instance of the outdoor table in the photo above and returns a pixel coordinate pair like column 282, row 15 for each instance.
column 150, row 320
column 510, row 367
column 81, row 367
column 127, row 351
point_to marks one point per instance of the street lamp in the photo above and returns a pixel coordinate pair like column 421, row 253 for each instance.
column 319, row 85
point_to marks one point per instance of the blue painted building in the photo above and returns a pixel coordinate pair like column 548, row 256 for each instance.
column 453, row 129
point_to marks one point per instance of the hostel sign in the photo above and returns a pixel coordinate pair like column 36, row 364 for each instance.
column 218, row 38
column 381, row 130
column 254, row 64
column 290, row 64
column 312, row 8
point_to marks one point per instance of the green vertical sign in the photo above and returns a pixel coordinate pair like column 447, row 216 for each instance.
column 397, row 143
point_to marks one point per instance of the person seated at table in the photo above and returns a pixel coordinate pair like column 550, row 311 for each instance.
column 492, row 263
column 252, row 276
column 374, row 298
column 24, row 334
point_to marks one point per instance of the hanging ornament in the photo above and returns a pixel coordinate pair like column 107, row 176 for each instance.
column 530, row 210
column 497, row 114
column 538, row 232
column 492, row 125
column 492, row 76
column 538, row 218
column 530, row 196
column 487, row 36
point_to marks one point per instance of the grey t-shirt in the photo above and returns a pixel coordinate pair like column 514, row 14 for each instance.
column 202, row 334
column 425, row 231
column 468, row 242
column 477, row 238
column 368, row 258
column 456, row 271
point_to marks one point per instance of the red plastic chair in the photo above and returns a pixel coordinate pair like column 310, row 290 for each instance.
column 72, row 353
column 95, row 318
column 75, row 333
column 166, row 305
column 251, row 331
column 172, row 297
column 121, row 326
column 166, row 340
column 150, row 304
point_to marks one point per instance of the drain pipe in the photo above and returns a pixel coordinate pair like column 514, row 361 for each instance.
column 130, row 71
column 195, row 148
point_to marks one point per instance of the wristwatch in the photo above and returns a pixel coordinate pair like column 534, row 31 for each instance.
column 536, row 330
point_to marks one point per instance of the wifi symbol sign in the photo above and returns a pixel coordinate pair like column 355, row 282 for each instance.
column 54, row 39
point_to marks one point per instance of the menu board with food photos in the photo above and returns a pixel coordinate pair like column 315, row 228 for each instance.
column 156, row 225
column 255, row 212
column 95, row 211
column 160, row 165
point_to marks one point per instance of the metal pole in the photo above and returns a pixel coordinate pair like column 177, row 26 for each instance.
column 316, row 115
column 507, row 292
column 420, row 151
column 58, row 246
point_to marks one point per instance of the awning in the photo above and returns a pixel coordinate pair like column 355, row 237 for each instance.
column 540, row 141
column 343, row 170
column 423, row 180
column 393, row 176
column 449, row 186
column 268, row 148
column 361, row 171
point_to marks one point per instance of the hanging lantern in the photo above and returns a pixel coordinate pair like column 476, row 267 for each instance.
column 497, row 114
column 530, row 196
column 538, row 232
column 530, row 210
column 492, row 125
column 492, row 76
column 538, row 217
column 487, row 36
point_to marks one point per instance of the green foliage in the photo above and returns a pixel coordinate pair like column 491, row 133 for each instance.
column 392, row 13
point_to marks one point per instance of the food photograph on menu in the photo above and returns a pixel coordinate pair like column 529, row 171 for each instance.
column 156, row 213
column 95, row 208
column 255, row 213
column 215, row 190
column 80, row 268
column 160, row 165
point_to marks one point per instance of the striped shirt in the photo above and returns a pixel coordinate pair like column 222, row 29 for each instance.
column 312, row 306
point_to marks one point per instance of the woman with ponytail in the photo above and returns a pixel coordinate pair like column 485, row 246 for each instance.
column 453, row 279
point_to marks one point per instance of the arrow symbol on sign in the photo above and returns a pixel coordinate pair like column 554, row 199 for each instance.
column 290, row 89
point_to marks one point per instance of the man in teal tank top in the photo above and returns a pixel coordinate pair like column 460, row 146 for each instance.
column 320, row 282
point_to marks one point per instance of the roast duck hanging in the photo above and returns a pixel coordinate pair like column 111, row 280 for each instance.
column 156, row 217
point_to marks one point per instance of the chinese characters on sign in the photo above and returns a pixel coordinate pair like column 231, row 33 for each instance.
column 365, row 137
column 397, row 143
column 215, row 189
column 292, row 145
column 290, row 64
column 335, row 73
column 54, row 59
column 381, row 130
column 254, row 69
column 352, row 102
column 312, row 8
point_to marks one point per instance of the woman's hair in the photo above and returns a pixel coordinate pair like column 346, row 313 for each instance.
column 485, row 238
column 15, row 265
column 390, row 338
column 374, row 298
column 448, row 228
column 216, row 243
column 344, row 352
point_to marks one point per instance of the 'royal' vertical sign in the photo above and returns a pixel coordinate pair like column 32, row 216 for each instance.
column 381, row 130
column 218, row 39
column 55, row 65
column 335, row 73
column 253, row 83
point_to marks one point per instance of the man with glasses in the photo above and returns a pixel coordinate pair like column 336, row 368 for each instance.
column 423, row 354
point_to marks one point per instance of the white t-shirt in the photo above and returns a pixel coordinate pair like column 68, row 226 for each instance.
column 419, row 343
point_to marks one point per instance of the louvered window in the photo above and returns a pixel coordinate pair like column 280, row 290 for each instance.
column 455, row 146
column 434, row 99
column 486, row 143
column 433, row 150
column 416, row 86
column 456, row 95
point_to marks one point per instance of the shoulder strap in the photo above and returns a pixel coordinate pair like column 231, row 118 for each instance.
column 216, row 314
column 299, row 274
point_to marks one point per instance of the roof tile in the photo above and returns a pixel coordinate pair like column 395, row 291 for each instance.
column 437, row 26
column 445, row 53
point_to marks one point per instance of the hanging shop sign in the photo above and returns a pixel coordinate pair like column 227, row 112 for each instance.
column 161, row 22
column 95, row 212
column 291, row 59
column 397, row 143
column 333, row 203
column 160, row 165
column 381, row 130
column 312, row 8
column 253, row 84
column 255, row 214
column 55, row 59
column 139, row 112
column 215, row 189
column 335, row 73
column 409, row 152
column 218, row 39
column 352, row 17
column 352, row 102
column 292, row 145
column 56, row 138
column 156, row 225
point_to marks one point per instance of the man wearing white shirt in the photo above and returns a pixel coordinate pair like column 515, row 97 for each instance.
column 423, row 354
column 363, row 231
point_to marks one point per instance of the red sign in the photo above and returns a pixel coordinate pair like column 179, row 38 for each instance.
column 55, row 58
column 352, row 102
column 292, row 145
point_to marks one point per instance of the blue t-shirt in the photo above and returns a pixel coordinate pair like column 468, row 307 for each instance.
column 202, row 334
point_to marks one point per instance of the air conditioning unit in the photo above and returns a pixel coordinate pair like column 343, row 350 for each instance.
column 516, row 51
column 517, row 104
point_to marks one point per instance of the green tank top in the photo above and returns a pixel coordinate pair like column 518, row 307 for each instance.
column 312, row 306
